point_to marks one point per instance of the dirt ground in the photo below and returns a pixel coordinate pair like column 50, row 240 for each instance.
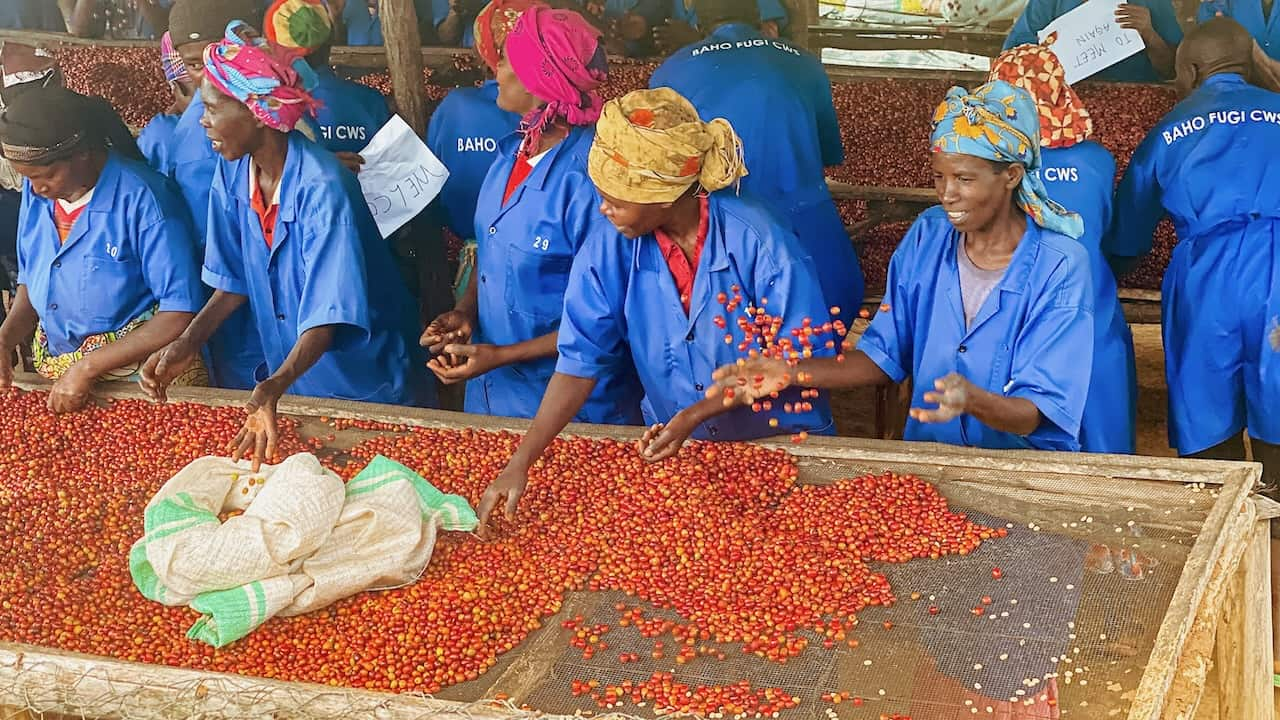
column 855, row 409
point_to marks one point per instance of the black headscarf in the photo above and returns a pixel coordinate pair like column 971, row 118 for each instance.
column 42, row 125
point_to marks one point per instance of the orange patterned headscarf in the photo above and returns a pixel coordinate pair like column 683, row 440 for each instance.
column 1036, row 69
column 494, row 23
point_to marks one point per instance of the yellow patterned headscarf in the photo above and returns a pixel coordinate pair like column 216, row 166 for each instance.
column 651, row 147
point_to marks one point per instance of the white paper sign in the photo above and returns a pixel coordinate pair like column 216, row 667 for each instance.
column 400, row 175
column 1088, row 39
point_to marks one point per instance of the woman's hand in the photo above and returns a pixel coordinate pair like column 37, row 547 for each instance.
column 663, row 441
column 509, row 485
column 951, row 394
column 71, row 391
column 351, row 161
column 258, row 437
column 750, row 380
column 8, row 353
column 459, row 363
column 455, row 326
column 166, row 365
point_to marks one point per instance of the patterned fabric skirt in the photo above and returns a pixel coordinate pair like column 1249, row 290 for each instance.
column 52, row 366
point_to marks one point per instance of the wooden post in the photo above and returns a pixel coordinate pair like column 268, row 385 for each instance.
column 805, row 14
column 1243, row 648
column 404, row 61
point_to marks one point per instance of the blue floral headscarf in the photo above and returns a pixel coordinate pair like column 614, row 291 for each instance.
column 1000, row 122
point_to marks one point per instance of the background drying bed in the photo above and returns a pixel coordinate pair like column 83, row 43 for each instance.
column 958, row 638
column 885, row 124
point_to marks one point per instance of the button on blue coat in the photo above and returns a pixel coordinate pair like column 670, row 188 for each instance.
column 350, row 114
column 234, row 355
column 464, row 133
column 1032, row 339
column 1264, row 28
column 1135, row 68
column 328, row 266
column 1209, row 164
column 130, row 249
column 623, row 309
column 525, row 248
column 786, row 147
column 1081, row 178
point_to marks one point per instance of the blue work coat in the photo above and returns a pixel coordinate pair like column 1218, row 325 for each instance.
column 130, row 249
column 32, row 15
column 1209, row 164
column 769, row 10
column 233, row 355
column 328, row 265
column 1081, row 178
column 1135, row 68
column 525, row 248
column 156, row 141
column 350, row 114
column 623, row 309
column 364, row 27
column 464, row 133
column 1032, row 339
column 786, row 147
column 1264, row 28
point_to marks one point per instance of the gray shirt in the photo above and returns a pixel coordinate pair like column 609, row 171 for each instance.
column 975, row 284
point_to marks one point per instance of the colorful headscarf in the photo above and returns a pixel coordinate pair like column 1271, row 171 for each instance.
column 999, row 122
column 301, row 25
column 175, row 70
column 1035, row 68
column 494, row 23
column 272, row 82
column 651, row 147
column 559, row 58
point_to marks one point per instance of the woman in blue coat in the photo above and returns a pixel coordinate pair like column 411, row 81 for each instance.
column 989, row 297
column 107, row 269
column 788, row 127
column 467, row 126
column 646, row 292
column 156, row 139
column 536, row 209
column 290, row 234
column 1155, row 20
column 1079, row 174
column 233, row 354
column 1209, row 164
column 349, row 114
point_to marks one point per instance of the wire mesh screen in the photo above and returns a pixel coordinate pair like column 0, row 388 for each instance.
column 1056, row 619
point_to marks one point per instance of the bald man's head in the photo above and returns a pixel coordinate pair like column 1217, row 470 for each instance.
column 1220, row 45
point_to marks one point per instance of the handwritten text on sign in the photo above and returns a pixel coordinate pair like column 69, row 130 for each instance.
column 400, row 176
column 1088, row 40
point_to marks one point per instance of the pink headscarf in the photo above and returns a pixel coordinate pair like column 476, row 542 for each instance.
column 558, row 56
column 274, row 83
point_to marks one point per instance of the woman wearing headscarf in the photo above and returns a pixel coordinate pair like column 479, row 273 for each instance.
column 290, row 234
column 466, row 127
column 536, row 209
column 107, row 267
column 646, row 292
column 989, row 297
column 1079, row 173
column 349, row 114
column 156, row 139
column 233, row 355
